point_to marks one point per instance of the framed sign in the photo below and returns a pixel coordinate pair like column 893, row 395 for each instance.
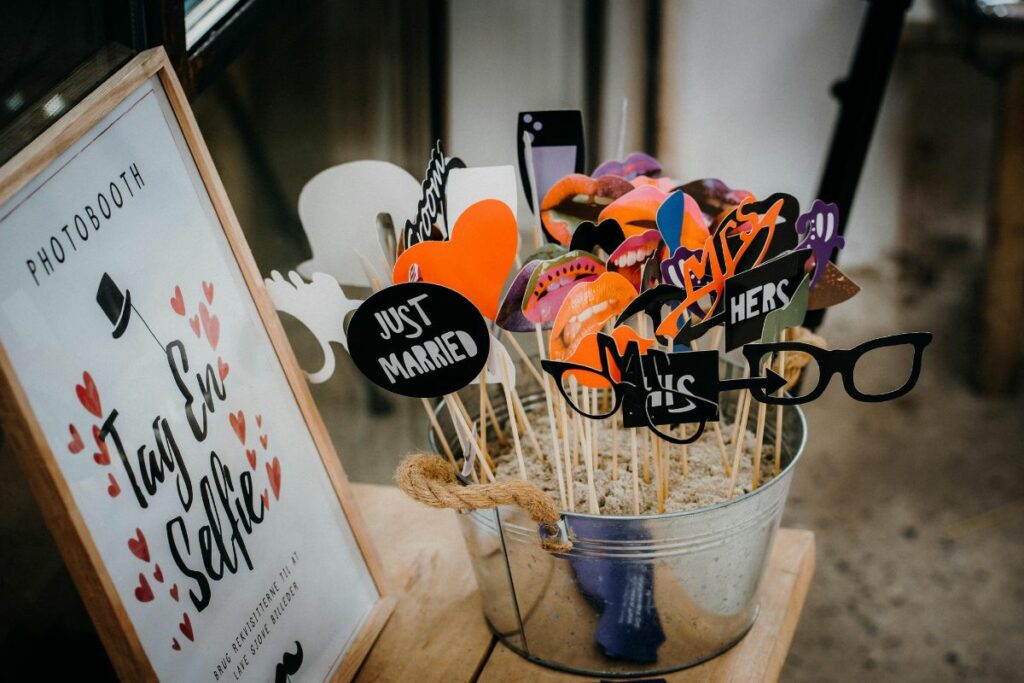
column 160, row 416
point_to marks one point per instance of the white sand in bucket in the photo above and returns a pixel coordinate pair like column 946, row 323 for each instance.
column 704, row 484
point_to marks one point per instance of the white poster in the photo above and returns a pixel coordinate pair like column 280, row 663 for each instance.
column 143, row 357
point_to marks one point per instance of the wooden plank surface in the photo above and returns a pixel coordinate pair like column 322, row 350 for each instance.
column 437, row 632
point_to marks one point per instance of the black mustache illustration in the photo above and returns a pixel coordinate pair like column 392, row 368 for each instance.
column 289, row 664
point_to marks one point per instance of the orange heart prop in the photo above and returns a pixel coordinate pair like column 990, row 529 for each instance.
column 475, row 261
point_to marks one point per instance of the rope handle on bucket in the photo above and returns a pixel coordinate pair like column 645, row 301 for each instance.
column 431, row 480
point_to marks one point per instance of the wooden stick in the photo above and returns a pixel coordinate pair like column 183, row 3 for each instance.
column 686, row 452
column 505, row 382
column 741, row 405
column 589, row 455
column 666, row 461
column 717, row 427
column 594, row 450
column 429, row 410
column 465, row 414
column 555, row 445
column 529, row 427
column 482, row 419
column 591, row 492
column 492, row 417
column 716, row 338
column 563, row 415
column 457, row 415
column 525, row 358
column 758, row 438
column 570, row 478
column 647, row 461
column 659, row 475
column 739, row 448
column 577, row 425
column 777, row 465
column 615, row 447
column 636, row 473
column 555, row 436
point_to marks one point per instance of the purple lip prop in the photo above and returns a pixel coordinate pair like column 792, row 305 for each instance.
column 713, row 196
column 552, row 281
column 510, row 313
column 636, row 164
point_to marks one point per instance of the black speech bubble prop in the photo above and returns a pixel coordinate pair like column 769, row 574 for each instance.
column 559, row 128
column 418, row 339
column 751, row 295
column 841, row 362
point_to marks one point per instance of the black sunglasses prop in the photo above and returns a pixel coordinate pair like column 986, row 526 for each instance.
column 838, row 361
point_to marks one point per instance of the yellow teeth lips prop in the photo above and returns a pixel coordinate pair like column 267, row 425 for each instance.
column 586, row 309
column 552, row 280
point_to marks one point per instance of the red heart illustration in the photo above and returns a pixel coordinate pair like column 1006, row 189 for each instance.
column 194, row 324
column 75, row 445
column 263, row 441
column 211, row 326
column 174, row 644
column 186, row 626
column 222, row 370
column 103, row 457
column 89, row 396
column 265, row 497
column 475, row 261
column 178, row 301
column 237, row 421
column 139, row 546
column 174, row 592
column 143, row 593
column 274, row 475
column 251, row 455
column 259, row 420
column 158, row 574
column 114, row 490
column 208, row 291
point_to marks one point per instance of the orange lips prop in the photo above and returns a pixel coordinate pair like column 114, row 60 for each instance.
column 636, row 211
column 587, row 353
column 586, row 309
column 577, row 198
column 475, row 261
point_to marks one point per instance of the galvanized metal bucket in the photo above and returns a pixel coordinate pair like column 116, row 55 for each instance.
column 635, row 595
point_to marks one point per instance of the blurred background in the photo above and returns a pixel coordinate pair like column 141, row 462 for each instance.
column 909, row 115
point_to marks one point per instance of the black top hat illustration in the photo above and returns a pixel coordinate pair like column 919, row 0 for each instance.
column 116, row 305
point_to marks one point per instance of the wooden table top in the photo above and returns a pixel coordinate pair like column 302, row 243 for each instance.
column 438, row 633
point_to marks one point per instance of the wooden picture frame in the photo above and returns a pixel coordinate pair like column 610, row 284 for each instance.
column 28, row 440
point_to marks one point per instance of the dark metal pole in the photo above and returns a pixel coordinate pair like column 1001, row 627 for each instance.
column 860, row 99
